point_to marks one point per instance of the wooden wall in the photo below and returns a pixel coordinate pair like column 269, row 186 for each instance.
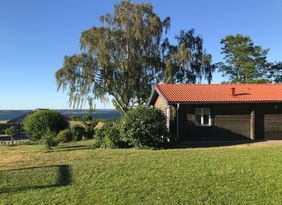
column 269, row 121
column 160, row 104
column 231, row 122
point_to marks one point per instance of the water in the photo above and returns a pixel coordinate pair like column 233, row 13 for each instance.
column 98, row 114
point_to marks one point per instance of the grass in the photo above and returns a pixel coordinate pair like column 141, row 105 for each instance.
column 77, row 174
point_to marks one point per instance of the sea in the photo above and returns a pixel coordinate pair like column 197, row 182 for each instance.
column 105, row 114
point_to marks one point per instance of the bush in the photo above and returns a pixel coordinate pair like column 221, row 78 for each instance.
column 145, row 127
column 78, row 132
column 12, row 131
column 65, row 136
column 109, row 136
column 49, row 140
column 89, row 129
column 3, row 128
column 86, row 118
column 37, row 123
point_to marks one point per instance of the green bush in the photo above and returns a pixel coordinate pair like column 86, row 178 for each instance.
column 12, row 131
column 145, row 127
column 86, row 118
column 89, row 129
column 49, row 140
column 37, row 123
column 65, row 136
column 109, row 136
column 78, row 132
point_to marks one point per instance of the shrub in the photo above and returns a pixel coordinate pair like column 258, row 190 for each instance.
column 145, row 127
column 86, row 118
column 12, row 131
column 3, row 128
column 109, row 136
column 65, row 136
column 49, row 140
column 78, row 132
column 37, row 123
column 89, row 129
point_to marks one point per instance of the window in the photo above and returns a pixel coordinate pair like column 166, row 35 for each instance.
column 203, row 117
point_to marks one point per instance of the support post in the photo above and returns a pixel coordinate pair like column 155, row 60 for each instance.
column 167, row 110
column 177, row 123
column 252, row 125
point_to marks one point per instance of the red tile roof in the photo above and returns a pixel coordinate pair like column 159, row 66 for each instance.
column 199, row 93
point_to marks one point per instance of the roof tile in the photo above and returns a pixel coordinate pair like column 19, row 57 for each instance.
column 220, row 92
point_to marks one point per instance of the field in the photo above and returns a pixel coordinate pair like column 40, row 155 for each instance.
column 77, row 174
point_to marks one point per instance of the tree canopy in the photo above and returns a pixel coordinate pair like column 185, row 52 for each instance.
column 186, row 62
column 125, row 56
column 244, row 61
column 275, row 73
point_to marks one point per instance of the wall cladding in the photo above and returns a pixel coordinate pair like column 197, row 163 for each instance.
column 230, row 122
column 273, row 126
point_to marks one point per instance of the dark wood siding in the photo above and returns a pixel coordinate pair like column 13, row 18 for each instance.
column 268, row 121
column 230, row 122
column 273, row 126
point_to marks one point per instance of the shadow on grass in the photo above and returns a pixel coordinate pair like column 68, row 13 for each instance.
column 66, row 148
column 31, row 178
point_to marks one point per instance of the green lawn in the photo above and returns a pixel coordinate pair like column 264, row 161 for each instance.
column 78, row 174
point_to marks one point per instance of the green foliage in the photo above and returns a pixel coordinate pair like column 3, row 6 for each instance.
column 89, row 129
column 49, row 139
column 124, row 57
column 86, row 118
column 78, row 132
column 65, row 136
column 37, row 123
column 145, row 127
column 109, row 136
column 186, row 62
column 244, row 61
column 3, row 128
column 275, row 73
column 81, row 118
column 12, row 131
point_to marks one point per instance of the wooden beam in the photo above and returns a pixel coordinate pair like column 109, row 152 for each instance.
column 252, row 125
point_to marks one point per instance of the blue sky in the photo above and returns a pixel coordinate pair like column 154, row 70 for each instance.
column 35, row 35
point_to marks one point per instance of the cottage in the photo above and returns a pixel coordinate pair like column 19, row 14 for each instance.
column 221, row 111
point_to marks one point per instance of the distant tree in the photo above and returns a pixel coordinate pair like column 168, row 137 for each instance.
column 275, row 73
column 186, row 62
column 244, row 61
column 123, row 58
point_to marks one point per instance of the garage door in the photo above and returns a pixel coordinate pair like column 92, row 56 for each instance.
column 273, row 126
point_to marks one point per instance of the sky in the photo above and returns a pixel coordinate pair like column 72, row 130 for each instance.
column 35, row 35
